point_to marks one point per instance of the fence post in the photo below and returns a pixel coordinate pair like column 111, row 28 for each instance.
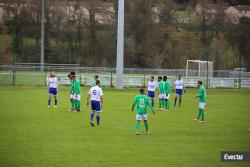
column 144, row 82
column 14, row 74
column 111, row 78
column 45, row 78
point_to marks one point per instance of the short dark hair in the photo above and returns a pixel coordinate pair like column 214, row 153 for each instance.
column 142, row 91
column 200, row 82
column 159, row 77
column 97, row 82
column 165, row 78
column 96, row 76
column 152, row 77
column 72, row 73
column 179, row 75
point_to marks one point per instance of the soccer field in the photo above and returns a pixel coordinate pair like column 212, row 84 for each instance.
column 33, row 135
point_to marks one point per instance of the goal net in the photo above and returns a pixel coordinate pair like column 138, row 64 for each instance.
column 198, row 68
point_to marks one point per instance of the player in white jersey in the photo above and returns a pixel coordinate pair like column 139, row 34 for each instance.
column 152, row 85
column 53, row 88
column 96, row 97
column 179, row 86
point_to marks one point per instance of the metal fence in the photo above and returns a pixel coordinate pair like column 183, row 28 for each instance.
column 30, row 74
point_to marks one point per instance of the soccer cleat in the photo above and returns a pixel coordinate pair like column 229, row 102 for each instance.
column 92, row 124
column 48, row 106
column 55, row 106
column 137, row 133
column 195, row 119
column 200, row 121
column 147, row 132
column 70, row 110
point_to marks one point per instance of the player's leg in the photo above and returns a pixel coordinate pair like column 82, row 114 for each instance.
column 153, row 102
column 98, row 111
column 152, row 96
column 55, row 98
column 175, row 99
column 145, row 119
column 199, row 115
column 72, row 103
column 202, row 110
column 168, row 102
column 98, row 118
column 161, row 101
column 92, row 113
column 137, row 126
column 77, row 102
column 180, row 97
column 49, row 100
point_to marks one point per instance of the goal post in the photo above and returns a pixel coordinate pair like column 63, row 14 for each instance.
column 199, row 68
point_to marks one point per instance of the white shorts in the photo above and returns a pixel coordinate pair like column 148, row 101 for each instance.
column 162, row 96
column 141, row 117
column 167, row 96
column 202, row 105
column 76, row 97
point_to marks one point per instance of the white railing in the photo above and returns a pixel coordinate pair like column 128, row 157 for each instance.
column 30, row 74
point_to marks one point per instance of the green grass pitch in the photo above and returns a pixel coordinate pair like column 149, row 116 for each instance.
column 33, row 135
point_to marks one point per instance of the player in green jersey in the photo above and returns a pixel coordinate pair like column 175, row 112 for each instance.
column 162, row 94
column 75, row 93
column 202, row 102
column 141, row 102
column 71, row 90
column 167, row 90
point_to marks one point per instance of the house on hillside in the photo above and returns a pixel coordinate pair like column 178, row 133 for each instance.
column 232, row 12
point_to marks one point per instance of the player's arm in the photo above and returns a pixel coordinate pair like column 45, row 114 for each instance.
column 200, row 94
column 150, row 106
column 57, row 83
column 134, row 103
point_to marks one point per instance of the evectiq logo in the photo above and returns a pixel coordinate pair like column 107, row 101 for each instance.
column 235, row 156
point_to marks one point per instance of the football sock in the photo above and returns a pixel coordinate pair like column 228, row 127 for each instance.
column 146, row 125
column 55, row 102
column 137, row 126
column 161, row 103
column 49, row 102
column 175, row 99
column 98, row 118
column 92, row 116
column 153, row 103
column 179, row 102
column 77, row 105
column 202, row 114
column 199, row 115
column 168, row 105
column 72, row 104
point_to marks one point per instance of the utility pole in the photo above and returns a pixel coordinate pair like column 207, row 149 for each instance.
column 42, row 35
column 120, row 45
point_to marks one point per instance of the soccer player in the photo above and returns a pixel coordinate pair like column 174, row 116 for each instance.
column 75, row 93
column 96, row 77
column 202, row 102
column 53, row 88
column 96, row 97
column 162, row 93
column 167, row 88
column 178, row 90
column 71, row 96
column 152, row 85
column 141, row 102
